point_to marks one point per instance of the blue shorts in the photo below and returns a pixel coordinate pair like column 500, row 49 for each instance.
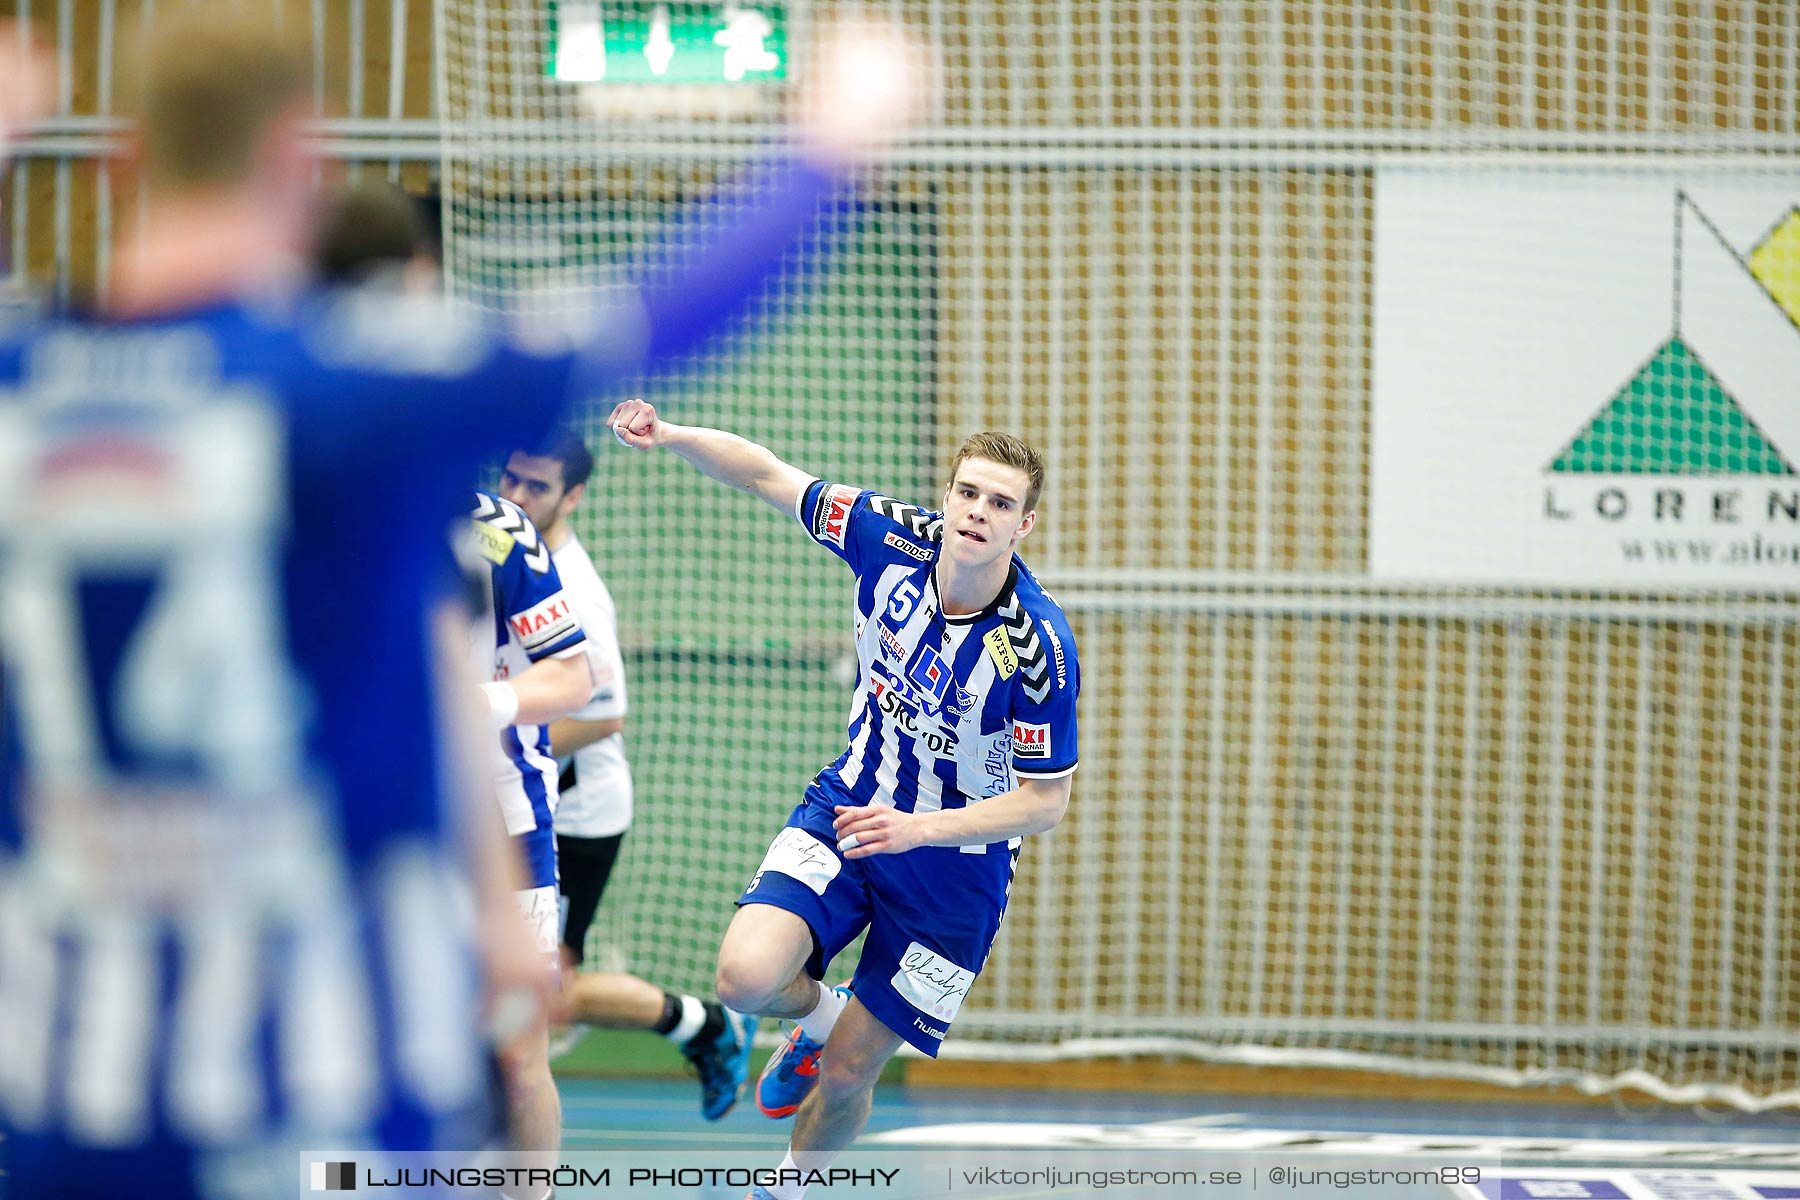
column 931, row 914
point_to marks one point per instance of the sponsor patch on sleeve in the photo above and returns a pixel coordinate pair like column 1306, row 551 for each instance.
column 932, row 983
column 1000, row 649
column 910, row 549
column 548, row 621
column 1030, row 741
column 832, row 516
column 491, row 543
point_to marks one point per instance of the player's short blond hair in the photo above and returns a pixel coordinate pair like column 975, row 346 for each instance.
column 208, row 85
column 1008, row 451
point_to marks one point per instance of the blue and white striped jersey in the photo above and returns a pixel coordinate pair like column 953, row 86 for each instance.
column 948, row 710
column 227, row 848
column 530, row 619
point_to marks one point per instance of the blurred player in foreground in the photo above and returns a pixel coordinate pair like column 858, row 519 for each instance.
column 232, row 857
column 962, row 741
column 593, row 809
column 529, row 647
column 373, row 236
column 27, row 88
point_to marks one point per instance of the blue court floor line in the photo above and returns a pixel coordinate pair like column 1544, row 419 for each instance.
column 573, row 1139
column 898, row 1104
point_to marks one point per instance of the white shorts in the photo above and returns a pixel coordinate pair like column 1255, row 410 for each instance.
column 543, row 913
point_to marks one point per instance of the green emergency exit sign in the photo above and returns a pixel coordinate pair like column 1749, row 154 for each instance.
column 630, row 41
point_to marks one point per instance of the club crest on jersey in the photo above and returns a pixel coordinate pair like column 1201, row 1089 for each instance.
column 1030, row 741
column 544, row 622
column 832, row 516
column 958, row 706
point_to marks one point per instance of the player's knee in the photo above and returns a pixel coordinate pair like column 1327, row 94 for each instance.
column 744, row 984
column 524, row 1075
column 844, row 1076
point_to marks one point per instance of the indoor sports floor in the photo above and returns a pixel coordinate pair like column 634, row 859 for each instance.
column 1545, row 1150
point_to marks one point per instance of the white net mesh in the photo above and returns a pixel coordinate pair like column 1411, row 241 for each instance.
column 1522, row 833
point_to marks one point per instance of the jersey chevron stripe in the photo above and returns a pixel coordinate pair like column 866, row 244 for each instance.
column 925, row 526
column 1027, row 649
column 509, row 518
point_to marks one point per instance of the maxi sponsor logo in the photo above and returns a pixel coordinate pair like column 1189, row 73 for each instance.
column 543, row 622
column 832, row 516
column 1030, row 741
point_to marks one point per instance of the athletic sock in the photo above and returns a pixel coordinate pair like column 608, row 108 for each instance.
column 683, row 1017
column 713, row 1024
column 787, row 1191
column 818, row 1023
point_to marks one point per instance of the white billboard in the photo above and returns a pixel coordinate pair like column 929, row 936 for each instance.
column 1585, row 380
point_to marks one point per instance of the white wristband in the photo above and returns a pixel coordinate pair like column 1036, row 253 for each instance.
column 503, row 703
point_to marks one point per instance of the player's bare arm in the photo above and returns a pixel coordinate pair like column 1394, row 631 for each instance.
column 734, row 461
column 548, row 689
column 572, row 733
column 1035, row 806
column 519, row 991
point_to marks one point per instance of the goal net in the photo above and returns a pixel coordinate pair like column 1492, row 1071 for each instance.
column 1391, row 759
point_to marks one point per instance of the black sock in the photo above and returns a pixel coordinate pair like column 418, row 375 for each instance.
column 714, row 1024
column 711, row 1025
column 671, row 1014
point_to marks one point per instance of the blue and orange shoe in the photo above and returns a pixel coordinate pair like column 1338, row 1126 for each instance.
column 723, row 1062
column 791, row 1073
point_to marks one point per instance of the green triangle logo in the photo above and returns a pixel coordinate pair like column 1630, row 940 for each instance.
column 1671, row 418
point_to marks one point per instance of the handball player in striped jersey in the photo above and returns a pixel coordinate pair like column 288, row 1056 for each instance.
column 962, row 740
